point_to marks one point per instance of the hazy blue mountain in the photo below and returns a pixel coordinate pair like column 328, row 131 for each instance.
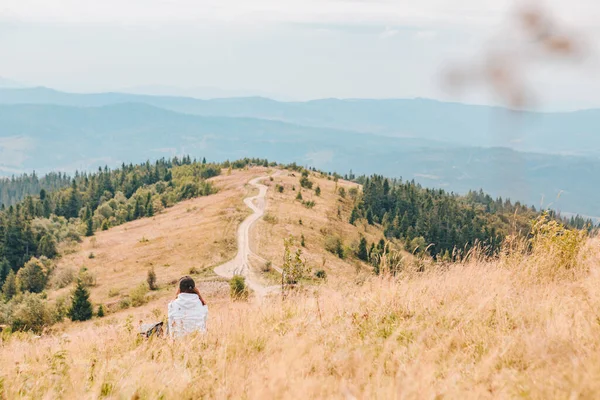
column 467, row 125
column 198, row 92
column 50, row 137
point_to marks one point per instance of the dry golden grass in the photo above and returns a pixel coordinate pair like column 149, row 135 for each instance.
column 198, row 233
column 521, row 326
column 283, row 217
column 473, row 330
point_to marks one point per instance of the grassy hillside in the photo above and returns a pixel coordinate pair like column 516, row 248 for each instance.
column 521, row 325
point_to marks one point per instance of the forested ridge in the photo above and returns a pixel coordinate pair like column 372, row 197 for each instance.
column 92, row 201
column 444, row 224
column 15, row 189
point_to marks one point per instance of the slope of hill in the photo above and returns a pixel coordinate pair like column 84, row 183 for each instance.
column 190, row 238
column 513, row 326
column 461, row 124
column 46, row 137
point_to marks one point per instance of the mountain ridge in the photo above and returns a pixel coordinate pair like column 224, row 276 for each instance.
column 470, row 125
column 50, row 137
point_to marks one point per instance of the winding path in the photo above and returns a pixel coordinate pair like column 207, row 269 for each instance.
column 240, row 265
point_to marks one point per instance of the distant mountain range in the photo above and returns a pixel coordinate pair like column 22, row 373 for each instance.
column 198, row 92
column 453, row 146
column 565, row 133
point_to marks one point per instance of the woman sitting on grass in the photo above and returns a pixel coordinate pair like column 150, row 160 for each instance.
column 188, row 312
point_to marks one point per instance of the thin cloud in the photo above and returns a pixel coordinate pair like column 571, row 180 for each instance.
column 428, row 34
column 426, row 12
column 388, row 33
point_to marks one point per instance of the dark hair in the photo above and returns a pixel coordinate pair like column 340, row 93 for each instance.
column 187, row 284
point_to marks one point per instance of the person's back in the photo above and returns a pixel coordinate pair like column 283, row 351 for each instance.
column 187, row 313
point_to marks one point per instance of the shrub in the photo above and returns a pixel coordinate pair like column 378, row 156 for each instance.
column 91, row 256
column 308, row 204
column 151, row 279
column 63, row 278
column 304, row 181
column 318, row 191
column 138, row 295
column 270, row 219
column 267, row 266
column 237, row 288
column 30, row 312
column 321, row 274
column 299, row 196
column 61, row 308
column 334, row 245
column 86, row 277
column 32, row 277
column 124, row 303
column 113, row 292
column 554, row 247
column 294, row 267
column 279, row 188
column 47, row 246
column 100, row 313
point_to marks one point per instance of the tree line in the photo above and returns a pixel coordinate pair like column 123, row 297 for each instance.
column 15, row 189
column 34, row 226
column 443, row 224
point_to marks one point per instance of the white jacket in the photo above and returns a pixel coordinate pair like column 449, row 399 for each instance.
column 186, row 315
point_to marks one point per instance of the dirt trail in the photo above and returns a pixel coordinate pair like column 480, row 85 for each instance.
column 240, row 265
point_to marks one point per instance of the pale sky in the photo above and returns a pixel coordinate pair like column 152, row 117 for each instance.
column 291, row 49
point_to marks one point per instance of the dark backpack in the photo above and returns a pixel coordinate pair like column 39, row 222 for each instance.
column 149, row 330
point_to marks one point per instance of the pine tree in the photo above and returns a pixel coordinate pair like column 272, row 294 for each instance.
column 138, row 213
column 100, row 313
column 353, row 216
column 89, row 223
column 362, row 252
column 81, row 308
column 370, row 216
column 299, row 196
column 149, row 206
column 72, row 206
column 318, row 191
column 9, row 289
column 4, row 270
